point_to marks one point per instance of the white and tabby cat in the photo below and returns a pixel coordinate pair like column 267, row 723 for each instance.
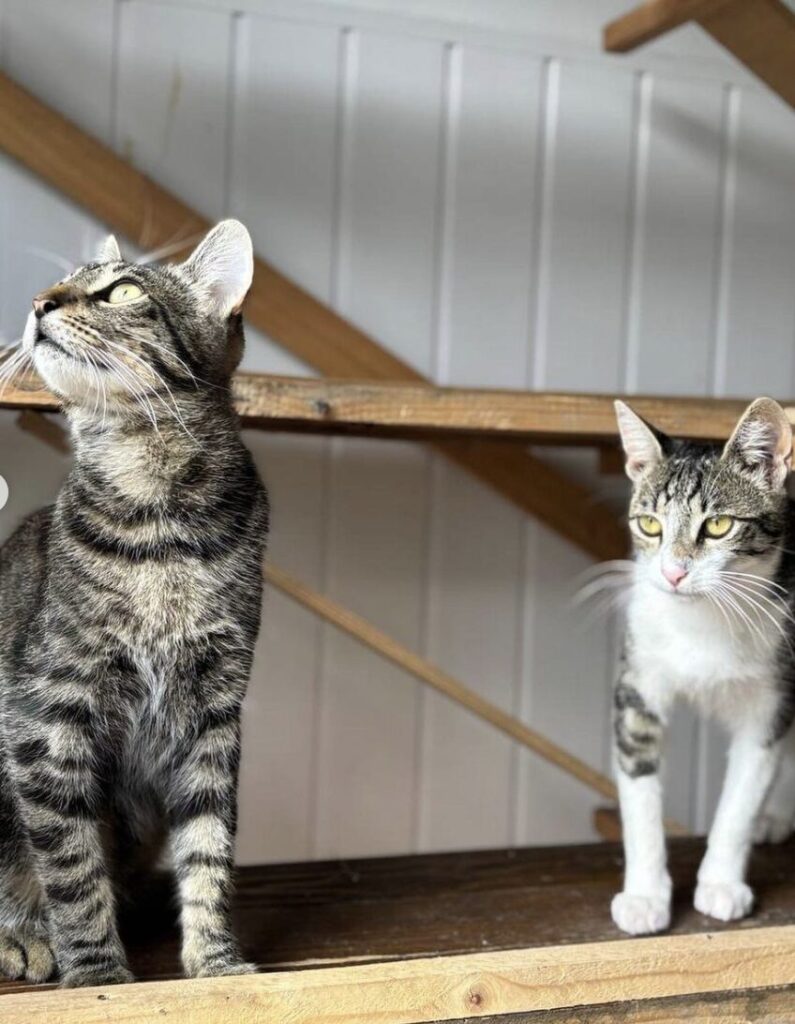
column 709, row 619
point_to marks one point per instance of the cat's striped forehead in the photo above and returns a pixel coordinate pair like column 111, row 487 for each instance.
column 697, row 478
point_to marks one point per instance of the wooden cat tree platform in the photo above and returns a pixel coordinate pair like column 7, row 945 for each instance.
column 511, row 937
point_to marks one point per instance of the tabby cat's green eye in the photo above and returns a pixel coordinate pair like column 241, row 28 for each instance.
column 127, row 291
column 718, row 526
column 650, row 526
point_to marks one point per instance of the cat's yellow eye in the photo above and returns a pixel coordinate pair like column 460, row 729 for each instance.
column 718, row 526
column 650, row 526
column 124, row 292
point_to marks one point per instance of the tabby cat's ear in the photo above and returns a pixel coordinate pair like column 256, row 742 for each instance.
column 643, row 445
column 762, row 442
column 108, row 251
column 222, row 266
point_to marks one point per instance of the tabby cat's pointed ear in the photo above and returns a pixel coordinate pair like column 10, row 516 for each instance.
column 643, row 445
column 222, row 267
column 762, row 442
column 108, row 251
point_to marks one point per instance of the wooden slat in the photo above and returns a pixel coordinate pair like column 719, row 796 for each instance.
column 92, row 175
column 761, row 34
column 607, row 822
column 440, row 988
column 366, row 633
column 431, row 675
column 760, row 1006
column 421, row 411
column 652, row 19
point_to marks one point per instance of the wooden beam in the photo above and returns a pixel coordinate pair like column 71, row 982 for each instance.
column 607, row 823
column 440, row 988
column 91, row 174
column 761, row 34
column 653, row 19
column 760, row 1006
column 417, row 411
column 46, row 430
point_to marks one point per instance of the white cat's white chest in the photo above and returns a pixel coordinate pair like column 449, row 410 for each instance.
column 692, row 647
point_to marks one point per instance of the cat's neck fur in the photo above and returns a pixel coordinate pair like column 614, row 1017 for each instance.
column 145, row 462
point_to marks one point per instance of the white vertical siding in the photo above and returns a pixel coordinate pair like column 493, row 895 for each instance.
column 503, row 209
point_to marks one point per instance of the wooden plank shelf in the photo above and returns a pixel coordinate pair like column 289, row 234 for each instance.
column 419, row 411
column 454, row 937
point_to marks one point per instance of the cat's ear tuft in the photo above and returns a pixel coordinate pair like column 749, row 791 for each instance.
column 762, row 442
column 108, row 251
column 643, row 445
column 222, row 266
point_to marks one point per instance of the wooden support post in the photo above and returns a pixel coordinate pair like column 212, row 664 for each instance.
column 91, row 174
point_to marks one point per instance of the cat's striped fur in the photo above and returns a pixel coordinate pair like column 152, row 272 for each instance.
column 128, row 616
column 710, row 618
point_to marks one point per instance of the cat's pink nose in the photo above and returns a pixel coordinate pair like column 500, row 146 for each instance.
column 674, row 575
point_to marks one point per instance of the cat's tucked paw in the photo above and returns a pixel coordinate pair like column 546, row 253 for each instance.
column 726, row 901
column 641, row 915
column 25, row 955
column 772, row 828
column 112, row 974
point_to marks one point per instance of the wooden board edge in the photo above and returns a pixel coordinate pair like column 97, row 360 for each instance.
column 421, row 991
column 651, row 19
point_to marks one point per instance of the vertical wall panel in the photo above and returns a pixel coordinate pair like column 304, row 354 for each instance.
column 283, row 175
column 759, row 352
column 673, row 343
column 468, row 768
column 494, row 106
column 65, row 55
column 172, row 99
column 378, row 505
column 583, row 342
column 390, row 192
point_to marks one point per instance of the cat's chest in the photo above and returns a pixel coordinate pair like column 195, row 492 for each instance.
column 691, row 645
column 166, row 602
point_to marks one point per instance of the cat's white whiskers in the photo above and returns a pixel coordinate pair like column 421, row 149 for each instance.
column 51, row 257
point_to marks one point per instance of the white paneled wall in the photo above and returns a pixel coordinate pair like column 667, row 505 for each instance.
column 500, row 204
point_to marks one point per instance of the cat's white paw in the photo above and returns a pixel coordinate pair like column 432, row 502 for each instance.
column 773, row 828
column 726, row 901
column 641, row 915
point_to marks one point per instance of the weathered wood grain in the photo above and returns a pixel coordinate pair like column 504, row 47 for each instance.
column 649, row 20
column 386, row 409
column 441, row 988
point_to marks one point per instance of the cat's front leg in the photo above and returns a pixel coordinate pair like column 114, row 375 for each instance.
column 722, row 891
column 54, row 775
column 202, row 806
column 644, row 905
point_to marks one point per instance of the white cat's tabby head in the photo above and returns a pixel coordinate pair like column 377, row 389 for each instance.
column 707, row 520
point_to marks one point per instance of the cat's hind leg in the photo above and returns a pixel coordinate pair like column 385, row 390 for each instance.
column 776, row 821
column 722, row 891
column 24, row 943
